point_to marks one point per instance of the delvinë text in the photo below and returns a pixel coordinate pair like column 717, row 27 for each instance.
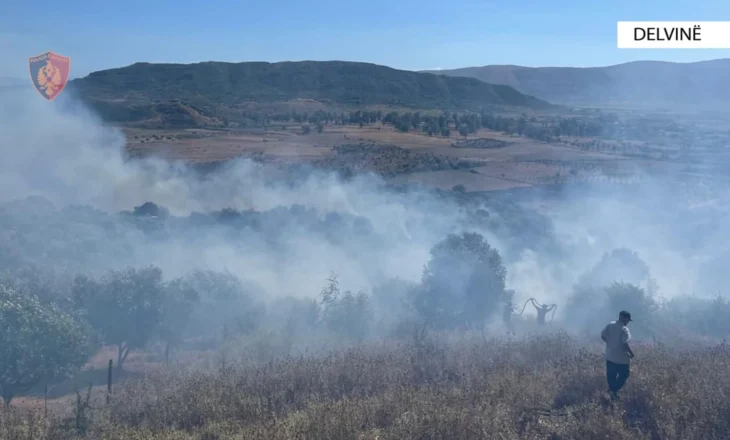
column 668, row 34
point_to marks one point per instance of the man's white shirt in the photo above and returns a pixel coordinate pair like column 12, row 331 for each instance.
column 616, row 335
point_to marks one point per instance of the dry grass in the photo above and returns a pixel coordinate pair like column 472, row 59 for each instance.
column 540, row 387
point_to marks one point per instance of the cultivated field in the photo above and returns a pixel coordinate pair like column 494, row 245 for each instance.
column 522, row 162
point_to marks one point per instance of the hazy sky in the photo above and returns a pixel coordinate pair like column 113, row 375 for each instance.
column 406, row 34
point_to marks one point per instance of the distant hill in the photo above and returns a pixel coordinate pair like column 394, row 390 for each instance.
column 220, row 89
column 14, row 82
column 640, row 84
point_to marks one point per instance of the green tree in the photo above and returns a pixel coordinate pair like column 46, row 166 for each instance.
column 125, row 307
column 402, row 125
column 462, row 284
column 627, row 296
column 37, row 342
column 590, row 304
column 224, row 300
column 463, row 130
column 345, row 313
column 180, row 298
column 620, row 264
column 521, row 125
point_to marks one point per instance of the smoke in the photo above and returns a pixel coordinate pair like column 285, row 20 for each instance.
column 62, row 152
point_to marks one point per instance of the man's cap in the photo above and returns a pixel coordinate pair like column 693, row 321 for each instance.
column 624, row 314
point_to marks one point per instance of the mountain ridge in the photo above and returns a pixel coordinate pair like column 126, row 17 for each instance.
column 221, row 88
column 642, row 84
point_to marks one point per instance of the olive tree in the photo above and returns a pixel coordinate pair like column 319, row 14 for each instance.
column 179, row 300
column 463, row 282
column 224, row 301
column 125, row 307
column 345, row 313
column 38, row 341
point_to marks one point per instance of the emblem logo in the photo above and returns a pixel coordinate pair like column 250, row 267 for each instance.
column 49, row 73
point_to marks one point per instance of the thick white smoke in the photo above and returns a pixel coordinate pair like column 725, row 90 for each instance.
column 60, row 151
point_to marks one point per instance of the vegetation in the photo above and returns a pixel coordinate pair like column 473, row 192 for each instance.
column 218, row 89
column 425, row 359
column 547, row 386
column 462, row 283
column 39, row 342
column 387, row 160
column 134, row 298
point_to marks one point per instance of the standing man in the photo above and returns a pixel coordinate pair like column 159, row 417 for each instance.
column 542, row 310
column 616, row 335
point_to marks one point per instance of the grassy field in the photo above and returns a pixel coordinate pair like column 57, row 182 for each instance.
column 547, row 386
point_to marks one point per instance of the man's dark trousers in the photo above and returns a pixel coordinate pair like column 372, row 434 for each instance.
column 616, row 375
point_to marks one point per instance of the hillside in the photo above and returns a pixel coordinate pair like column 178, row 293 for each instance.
column 640, row 84
column 221, row 90
column 6, row 81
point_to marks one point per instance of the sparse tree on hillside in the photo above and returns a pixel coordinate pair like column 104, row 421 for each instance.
column 521, row 125
column 463, row 130
column 37, row 342
column 709, row 317
column 619, row 265
column 627, row 296
column 391, row 300
column 150, row 209
column 179, row 300
column 46, row 285
column 224, row 299
column 463, row 282
column 125, row 307
column 345, row 313
column 591, row 303
column 302, row 316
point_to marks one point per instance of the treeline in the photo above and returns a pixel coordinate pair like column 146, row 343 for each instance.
column 447, row 123
column 81, row 238
column 51, row 323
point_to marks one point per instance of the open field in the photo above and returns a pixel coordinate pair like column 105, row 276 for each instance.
column 441, row 387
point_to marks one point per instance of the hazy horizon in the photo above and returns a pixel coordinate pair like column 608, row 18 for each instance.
column 562, row 33
column 72, row 76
